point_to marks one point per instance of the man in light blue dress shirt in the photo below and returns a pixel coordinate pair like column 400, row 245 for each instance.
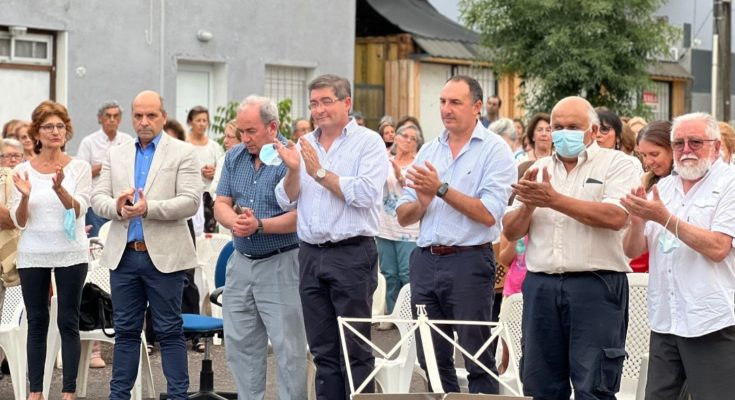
column 459, row 189
column 337, row 178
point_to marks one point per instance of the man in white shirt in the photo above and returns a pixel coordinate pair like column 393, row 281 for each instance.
column 575, row 294
column 95, row 146
column 687, row 225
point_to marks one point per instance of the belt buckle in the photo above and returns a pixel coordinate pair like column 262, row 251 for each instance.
column 435, row 253
column 139, row 246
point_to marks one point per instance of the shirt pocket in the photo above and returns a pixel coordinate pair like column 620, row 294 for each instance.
column 701, row 212
column 592, row 190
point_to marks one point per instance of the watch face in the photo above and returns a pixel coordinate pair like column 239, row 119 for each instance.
column 321, row 173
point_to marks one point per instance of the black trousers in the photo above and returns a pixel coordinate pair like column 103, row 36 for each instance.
column 706, row 363
column 574, row 328
column 338, row 281
column 35, row 283
column 457, row 286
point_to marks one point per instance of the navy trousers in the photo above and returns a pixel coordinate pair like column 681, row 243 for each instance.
column 135, row 283
column 338, row 281
column 574, row 328
column 457, row 286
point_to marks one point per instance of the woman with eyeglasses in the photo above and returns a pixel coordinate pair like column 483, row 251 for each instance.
column 538, row 135
column 655, row 149
column 395, row 243
column 50, row 197
column 609, row 136
column 12, row 153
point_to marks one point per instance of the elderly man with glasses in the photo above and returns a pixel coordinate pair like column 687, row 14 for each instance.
column 687, row 225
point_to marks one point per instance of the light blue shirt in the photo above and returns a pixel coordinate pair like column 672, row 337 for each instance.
column 143, row 160
column 359, row 158
column 483, row 169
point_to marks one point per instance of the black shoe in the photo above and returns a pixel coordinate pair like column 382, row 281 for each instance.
column 4, row 367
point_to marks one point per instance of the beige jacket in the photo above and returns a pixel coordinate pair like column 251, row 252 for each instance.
column 173, row 191
column 8, row 237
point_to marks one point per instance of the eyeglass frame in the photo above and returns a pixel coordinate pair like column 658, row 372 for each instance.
column 694, row 144
column 17, row 156
column 323, row 102
column 49, row 128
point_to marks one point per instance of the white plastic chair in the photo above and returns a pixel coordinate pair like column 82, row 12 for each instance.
column 208, row 248
column 511, row 315
column 101, row 277
column 379, row 303
column 13, row 333
column 635, row 366
column 395, row 374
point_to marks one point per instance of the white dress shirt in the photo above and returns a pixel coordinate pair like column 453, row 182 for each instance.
column 359, row 159
column 94, row 147
column 558, row 243
column 690, row 295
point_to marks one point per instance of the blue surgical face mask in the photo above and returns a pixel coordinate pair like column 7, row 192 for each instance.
column 70, row 224
column 668, row 242
column 568, row 143
column 269, row 155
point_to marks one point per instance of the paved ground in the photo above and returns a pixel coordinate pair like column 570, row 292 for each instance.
column 99, row 379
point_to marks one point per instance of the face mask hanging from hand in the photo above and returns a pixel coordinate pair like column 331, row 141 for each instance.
column 668, row 242
column 568, row 143
column 70, row 224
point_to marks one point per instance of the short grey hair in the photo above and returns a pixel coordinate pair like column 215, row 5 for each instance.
column 419, row 135
column 504, row 127
column 110, row 104
column 267, row 107
column 711, row 127
column 13, row 143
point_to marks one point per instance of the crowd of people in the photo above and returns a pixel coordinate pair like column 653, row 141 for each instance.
column 559, row 209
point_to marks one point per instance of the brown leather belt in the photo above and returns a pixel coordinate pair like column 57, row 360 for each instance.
column 137, row 246
column 447, row 250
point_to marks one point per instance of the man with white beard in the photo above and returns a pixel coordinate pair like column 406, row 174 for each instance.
column 687, row 225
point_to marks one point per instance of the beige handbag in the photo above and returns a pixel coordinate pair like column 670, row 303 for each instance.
column 8, row 239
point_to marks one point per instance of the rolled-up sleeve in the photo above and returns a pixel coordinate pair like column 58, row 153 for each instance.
column 623, row 176
column 282, row 198
column 366, row 188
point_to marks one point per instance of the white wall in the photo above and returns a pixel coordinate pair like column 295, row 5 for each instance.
column 433, row 77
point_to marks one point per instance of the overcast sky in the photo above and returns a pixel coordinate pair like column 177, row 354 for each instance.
column 447, row 7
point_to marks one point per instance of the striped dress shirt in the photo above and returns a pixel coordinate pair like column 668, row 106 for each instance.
column 359, row 158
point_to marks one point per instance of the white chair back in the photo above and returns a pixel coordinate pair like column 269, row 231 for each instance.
column 639, row 329
column 99, row 275
column 13, row 307
column 511, row 314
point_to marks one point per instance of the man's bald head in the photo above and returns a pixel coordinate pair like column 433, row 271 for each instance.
column 577, row 105
column 149, row 116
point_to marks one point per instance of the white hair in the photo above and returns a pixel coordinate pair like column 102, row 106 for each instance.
column 268, row 108
column 711, row 127
column 504, row 127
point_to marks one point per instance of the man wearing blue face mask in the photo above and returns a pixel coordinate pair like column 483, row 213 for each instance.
column 688, row 226
column 575, row 294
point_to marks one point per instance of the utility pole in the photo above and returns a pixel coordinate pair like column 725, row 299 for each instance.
column 722, row 31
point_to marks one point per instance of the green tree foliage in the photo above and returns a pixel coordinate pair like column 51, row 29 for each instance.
column 223, row 115
column 598, row 49
column 284, row 115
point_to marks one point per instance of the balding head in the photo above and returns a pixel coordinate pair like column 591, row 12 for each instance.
column 149, row 115
column 574, row 114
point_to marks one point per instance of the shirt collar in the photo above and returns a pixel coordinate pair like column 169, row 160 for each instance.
column 154, row 142
column 350, row 128
column 587, row 154
column 478, row 132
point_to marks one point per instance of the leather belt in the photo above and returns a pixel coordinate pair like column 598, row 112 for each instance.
column 137, row 246
column 272, row 253
column 447, row 250
column 346, row 242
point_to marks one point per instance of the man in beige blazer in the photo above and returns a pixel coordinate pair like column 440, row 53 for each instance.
column 148, row 189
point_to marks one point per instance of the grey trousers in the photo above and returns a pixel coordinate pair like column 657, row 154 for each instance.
column 261, row 301
column 706, row 363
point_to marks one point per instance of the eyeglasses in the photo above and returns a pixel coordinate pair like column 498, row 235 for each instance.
column 50, row 127
column 325, row 102
column 694, row 144
column 604, row 129
column 10, row 156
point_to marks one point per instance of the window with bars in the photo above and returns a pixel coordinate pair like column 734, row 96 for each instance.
column 26, row 49
column 484, row 76
column 283, row 82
